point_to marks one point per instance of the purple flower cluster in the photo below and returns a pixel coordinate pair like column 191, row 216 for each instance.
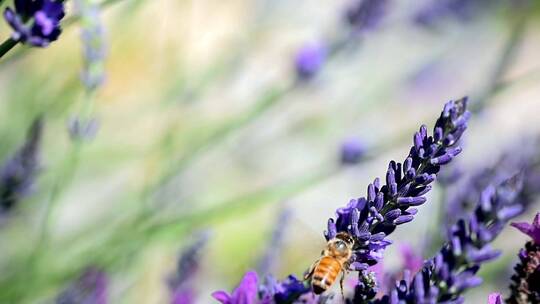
column 90, row 288
column 245, row 293
column 371, row 219
column 467, row 192
column 272, row 291
column 453, row 270
column 286, row 291
column 525, row 287
column 35, row 22
column 18, row 174
column 181, row 283
column 363, row 15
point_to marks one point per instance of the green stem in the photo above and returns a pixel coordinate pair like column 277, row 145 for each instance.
column 502, row 65
column 7, row 45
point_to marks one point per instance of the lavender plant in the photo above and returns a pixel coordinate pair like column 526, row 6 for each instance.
column 18, row 174
column 527, row 161
column 364, row 15
column 370, row 220
column 90, row 288
column 181, row 282
column 93, row 43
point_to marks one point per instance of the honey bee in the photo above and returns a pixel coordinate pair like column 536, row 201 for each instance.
column 335, row 260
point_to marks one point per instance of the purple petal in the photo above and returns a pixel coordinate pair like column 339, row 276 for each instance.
column 222, row 297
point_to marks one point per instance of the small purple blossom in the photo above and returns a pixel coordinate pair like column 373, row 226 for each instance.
column 245, row 293
column 90, row 288
column 35, row 22
column 352, row 151
column 309, row 60
column 181, row 283
column 362, row 15
column 532, row 230
column 495, row 298
column 17, row 174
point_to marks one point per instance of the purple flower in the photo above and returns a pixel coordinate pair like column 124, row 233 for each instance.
column 89, row 288
column 468, row 191
column 245, row 293
column 532, row 230
column 372, row 218
column 17, row 175
column 495, row 298
column 525, row 286
column 444, row 278
column 364, row 15
column 181, row 283
column 309, row 60
column 352, row 151
column 35, row 22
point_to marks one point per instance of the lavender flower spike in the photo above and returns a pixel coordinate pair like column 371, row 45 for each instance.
column 525, row 287
column 362, row 15
column 372, row 218
column 93, row 42
column 17, row 175
column 444, row 278
column 91, row 287
column 181, row 283
column 35, row 22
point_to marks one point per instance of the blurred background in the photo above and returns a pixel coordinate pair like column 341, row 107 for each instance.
column 241, row 126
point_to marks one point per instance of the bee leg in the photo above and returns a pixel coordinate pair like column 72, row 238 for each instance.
column 341, row 284
column 309, row 273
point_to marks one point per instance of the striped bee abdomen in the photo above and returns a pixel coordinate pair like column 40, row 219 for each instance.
column 325, row 274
